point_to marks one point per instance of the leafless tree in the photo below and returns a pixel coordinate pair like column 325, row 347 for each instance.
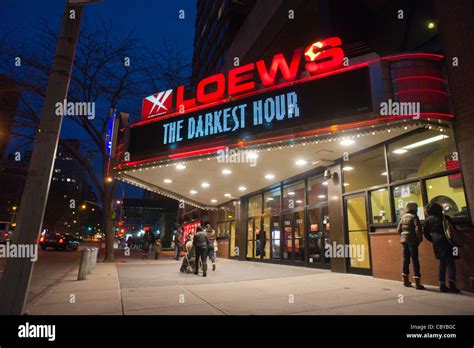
column 112, row 71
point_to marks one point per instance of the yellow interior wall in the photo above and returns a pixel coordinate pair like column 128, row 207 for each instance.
column 440, row 186
column 362, row 239
column 356, row 215
column 381, row 201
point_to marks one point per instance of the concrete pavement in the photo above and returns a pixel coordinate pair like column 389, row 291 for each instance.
column 147, row 287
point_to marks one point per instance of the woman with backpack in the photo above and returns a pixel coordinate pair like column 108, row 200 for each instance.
column 435, row 231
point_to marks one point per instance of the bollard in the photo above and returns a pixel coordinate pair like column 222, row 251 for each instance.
column 84, row 264
column 94, row 258
column 91, row 257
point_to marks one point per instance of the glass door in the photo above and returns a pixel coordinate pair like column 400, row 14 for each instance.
column 358, row 234
column 293, row 236
column 318, row 236
column 275, row 237
column 232, row 239
column 253, row 238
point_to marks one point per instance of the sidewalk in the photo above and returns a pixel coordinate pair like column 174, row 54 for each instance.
column 136, row 286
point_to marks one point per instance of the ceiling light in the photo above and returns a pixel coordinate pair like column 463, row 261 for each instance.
column 291, row 193
column 347, row 168
column 167, row 181
column 299, row 201
column 322, row 196
column 347, row 142
column 242, row 188
column 431, row 25
column 213, row 200
column 384, row 173
column 205, row 185
column 425, row 141
column 226, row 171
column 227, row 195
column 180, row 166
column 301, row 162
column 193, row 192
column 269, row 176
column 400, row 151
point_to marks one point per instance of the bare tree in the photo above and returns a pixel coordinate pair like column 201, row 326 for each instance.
column 112, row 72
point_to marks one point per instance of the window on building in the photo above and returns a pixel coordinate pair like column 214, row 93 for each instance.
column 380, row 206
column 271, row 201
column 365, row 170
column 408, row 193
column 449, row 192
column 317, row 190
column 293, row 195
column 420, row 154
column 255, row 205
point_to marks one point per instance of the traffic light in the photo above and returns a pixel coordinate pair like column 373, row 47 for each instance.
column 89, row 228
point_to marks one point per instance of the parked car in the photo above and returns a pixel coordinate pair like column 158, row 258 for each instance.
column 5, row 232
column 59, row 241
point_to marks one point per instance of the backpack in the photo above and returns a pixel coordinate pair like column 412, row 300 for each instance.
column 451, row 233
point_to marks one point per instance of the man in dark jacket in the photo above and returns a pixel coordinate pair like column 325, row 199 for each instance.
column 178, row 241
column 201, row 242
column 434, row 231
column 411, row 236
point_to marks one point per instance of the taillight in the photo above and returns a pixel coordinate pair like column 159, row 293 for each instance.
column 6, row 235
column 61, row 241
column 42, row 239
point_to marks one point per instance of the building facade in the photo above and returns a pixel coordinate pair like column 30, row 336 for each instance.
column 308, row 150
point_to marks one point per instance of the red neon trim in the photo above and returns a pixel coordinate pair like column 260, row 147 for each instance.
column 421, row 90
column 196, row 152
column 419, row 77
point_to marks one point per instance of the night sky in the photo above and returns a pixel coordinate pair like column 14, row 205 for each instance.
column 152, row 21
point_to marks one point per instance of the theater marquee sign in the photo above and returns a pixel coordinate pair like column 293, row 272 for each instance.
column 252, row 101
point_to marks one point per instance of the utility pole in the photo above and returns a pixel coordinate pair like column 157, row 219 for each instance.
column 16, row 278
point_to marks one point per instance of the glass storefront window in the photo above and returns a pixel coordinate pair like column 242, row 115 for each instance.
column 271, row 201
column 380, row 205
column 255, row 205
column 232, row 239
column 365, row 170
column 275, row 229
column 317, row 190
column 293, row 195
column 449, row 192
column 407, row 193
column 421, row 154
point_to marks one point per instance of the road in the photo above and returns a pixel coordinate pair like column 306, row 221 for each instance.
column 50, row 267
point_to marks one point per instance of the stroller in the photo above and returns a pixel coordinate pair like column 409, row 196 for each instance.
column 189, row 259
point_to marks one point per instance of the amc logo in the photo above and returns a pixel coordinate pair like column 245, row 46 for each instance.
column 157, row 104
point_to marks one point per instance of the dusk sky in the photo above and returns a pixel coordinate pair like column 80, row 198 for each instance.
column 151, row 21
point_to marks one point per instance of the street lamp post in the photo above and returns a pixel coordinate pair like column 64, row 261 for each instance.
column 16, row 278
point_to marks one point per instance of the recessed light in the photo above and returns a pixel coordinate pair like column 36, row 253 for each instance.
column 193, row 192
column 301, row 162
column 213, row 200
column 226, row 171
column 347, row 142
column 205, row 185
column 400, row 151
column 242, row 188
column 167, row 181
column 180, row 166
column 269, row 176
column 322, row 196
column 291, row 193
column 348, row 168
column 227, row 195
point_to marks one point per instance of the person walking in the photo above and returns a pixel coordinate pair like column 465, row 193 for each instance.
column 411, row 236
column 178, row 241
column 158, row 248
column 434, row 231
column 201, row 243
column 211, row 251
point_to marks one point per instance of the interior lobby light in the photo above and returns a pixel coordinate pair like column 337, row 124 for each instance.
column 242, row 188
column 301, row 162
column 384, row 173
column 325, row 183
column 425, row 141
column 322, row 196
column 346, row 184
column 213, row 200
column 193, row 192
column 400, row 151
column 167, row 181
column 299, row 201
column 347, row 142
column 180, row 166
column 205, row 185
column 270, row 199
column 226, row 171
column 269, row 176
column 226, row 194
column 347, row 168
column 291, row 193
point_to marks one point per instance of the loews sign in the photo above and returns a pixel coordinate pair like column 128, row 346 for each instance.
column 319, row 57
